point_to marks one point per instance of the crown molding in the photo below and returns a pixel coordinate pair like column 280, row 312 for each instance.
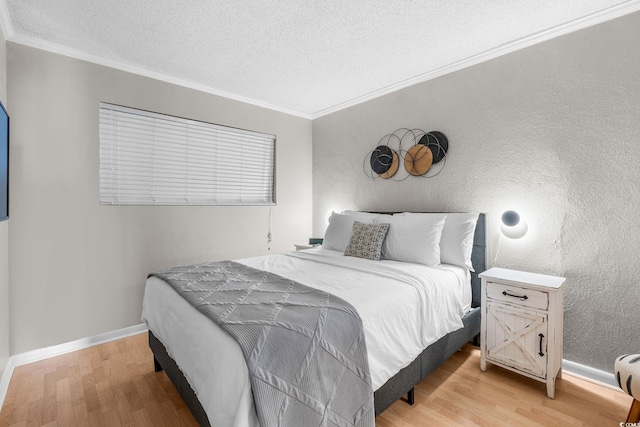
column 524, row 42
column 5, row 20
column 121, row 66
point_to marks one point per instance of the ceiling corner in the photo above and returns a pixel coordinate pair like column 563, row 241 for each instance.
column 5, row 20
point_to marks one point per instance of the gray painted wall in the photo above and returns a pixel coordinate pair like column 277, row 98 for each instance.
column 552, row 131
column 4, row 237
column 77, row 268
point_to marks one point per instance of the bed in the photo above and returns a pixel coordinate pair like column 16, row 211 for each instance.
column 216, row 388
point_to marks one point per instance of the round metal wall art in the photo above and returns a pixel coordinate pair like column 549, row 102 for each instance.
column 416, row 149
column 437, row 143
column 418, row 160
column 382, row 159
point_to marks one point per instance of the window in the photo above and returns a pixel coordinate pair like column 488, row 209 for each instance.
column 154, row 159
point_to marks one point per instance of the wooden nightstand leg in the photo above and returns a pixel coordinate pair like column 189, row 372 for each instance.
column 559, row 376
column 551, row 388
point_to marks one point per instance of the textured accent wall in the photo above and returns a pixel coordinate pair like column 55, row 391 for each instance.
column 551, row 131
column 77, row 268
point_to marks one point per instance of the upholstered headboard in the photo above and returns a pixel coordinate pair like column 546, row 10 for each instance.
column 478, row 258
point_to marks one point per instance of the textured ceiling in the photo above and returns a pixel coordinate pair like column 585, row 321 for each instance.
column 303, row 57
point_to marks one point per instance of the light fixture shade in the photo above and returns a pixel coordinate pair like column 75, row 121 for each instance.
column 512, row 225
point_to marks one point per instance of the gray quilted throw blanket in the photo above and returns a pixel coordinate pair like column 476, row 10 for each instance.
column 305, row 348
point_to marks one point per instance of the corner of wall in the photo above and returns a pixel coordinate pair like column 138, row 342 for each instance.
column 5, row 363
column 5, row 379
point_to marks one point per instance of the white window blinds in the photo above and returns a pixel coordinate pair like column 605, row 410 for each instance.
column 155, row 159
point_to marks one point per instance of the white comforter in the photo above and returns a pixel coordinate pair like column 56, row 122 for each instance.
column 404, row 307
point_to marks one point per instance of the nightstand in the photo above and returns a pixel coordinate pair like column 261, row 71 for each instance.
column 301, row 247
column 521, row 329
column 313, row 242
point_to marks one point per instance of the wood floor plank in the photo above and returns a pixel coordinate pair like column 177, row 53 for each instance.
column 114, row 384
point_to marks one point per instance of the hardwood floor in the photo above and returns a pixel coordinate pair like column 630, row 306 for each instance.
column 114, row 384
column 458, row 393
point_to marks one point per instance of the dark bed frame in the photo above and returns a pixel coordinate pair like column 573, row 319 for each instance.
column 400, row 384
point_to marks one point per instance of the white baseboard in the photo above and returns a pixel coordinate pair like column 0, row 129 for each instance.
column 590, row 374
column 57, row 350
column 4, row 381
column 572, row 368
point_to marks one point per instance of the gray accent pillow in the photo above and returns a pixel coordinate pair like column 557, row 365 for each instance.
column 366, row 240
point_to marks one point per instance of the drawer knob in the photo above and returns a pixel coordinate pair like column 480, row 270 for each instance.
column 522, row 297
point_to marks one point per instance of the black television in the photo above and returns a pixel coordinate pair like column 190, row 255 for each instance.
column 4, row 163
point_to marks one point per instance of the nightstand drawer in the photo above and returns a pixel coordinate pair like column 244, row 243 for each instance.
column 516, row 295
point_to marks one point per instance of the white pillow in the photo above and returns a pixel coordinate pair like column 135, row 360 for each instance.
column 456, row 242
column 413, row 239
column 367, row 217
column 338, row 233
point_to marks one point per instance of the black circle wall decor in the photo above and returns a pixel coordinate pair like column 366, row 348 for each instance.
column 437, row 143
column 381, row 159
column 426, row 149
column 394, row 166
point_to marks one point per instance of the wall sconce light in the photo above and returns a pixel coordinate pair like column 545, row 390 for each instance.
column 512, row 225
